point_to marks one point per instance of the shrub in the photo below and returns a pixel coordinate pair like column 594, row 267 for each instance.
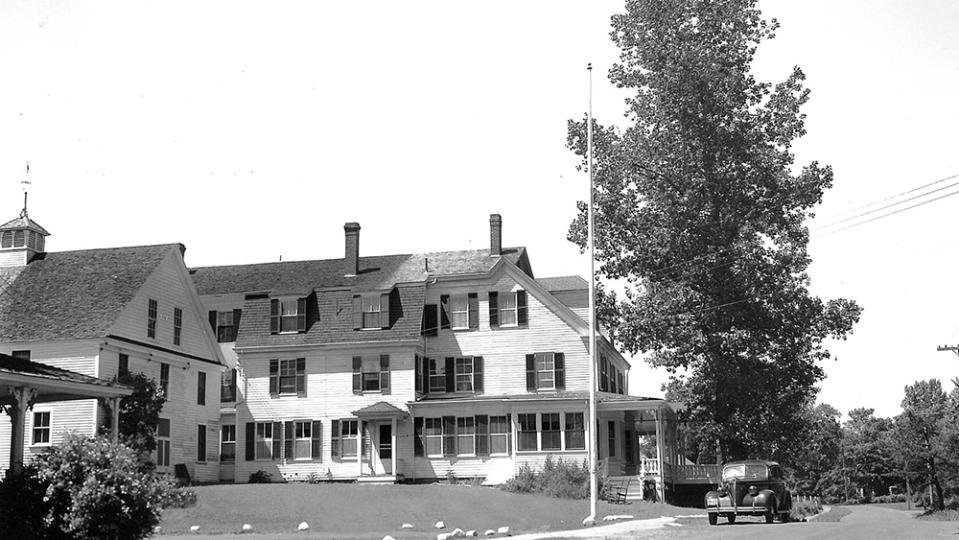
column 22, row 508
column 804, row 509
column 87, row 488
column 180, row 498
column 260, row 477
column 562, row 479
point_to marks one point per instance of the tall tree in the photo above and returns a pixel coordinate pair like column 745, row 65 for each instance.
column 700, row 213
column 867, row 445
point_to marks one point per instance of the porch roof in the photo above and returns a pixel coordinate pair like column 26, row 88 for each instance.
column 380, row 409
column 606, row 401
column 51, row 383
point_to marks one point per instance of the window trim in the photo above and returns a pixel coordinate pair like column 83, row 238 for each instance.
column 470, row 436
column 551, row 356
column 267, row 441
column 514, row 310
column 201, row 388
column 281, row 316
column 201, row 430
column 291, row 362
column 308, row 438
column 520, row 432
column 437, row 370
column 177, row 326
column 504, row 434
column 223, row 440
column 152, row 307
column 165, row 381
column 343, row 437
column 371, row 304
column 464, row 361
column 438, row 421
column 465, row 312
column 48, row 428
column 165, row 442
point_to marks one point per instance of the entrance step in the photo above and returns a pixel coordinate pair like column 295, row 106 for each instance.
column 376, row 480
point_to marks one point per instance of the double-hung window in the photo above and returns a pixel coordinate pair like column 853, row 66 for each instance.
column 152, row 318
column 123, row 364
column 288, row 377
column 228, row 442
column 465, row 435
column 437, row 375
column 434, row 436
column 499, row 429
column 575, row 431
column 165, row 379
column 303, row 439
column 41, row 427
column 163, row 442
column 551, row 437
column 459, row 311
column 507, row 309
column 371, row 311
column 464, row 374
column 371, row 374
column 264, row 440
column 544, row 371
column 201, row 388
column 225, row 324
column 527, row 432
column 349, row 430
column 177, row 325
column 288, row 314
column 201, row 443
column 611, row 432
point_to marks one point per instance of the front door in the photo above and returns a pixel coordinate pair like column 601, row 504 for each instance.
column 385, row 448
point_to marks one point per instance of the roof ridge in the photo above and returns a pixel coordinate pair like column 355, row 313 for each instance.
column 170, row 245
column 277, row 263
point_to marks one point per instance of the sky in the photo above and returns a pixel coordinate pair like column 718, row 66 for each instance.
column 251, row 131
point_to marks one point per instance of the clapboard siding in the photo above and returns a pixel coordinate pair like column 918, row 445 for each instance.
column 79, row 356
column 170, row 288
column 329, row 396
column 503, row 349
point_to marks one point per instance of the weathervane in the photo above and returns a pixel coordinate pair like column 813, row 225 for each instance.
column 26, row 187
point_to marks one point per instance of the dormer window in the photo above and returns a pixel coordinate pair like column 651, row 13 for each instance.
column 287, row 315
column 371, row 311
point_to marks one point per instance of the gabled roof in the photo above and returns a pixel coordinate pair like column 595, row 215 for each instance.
column 51, row 383
column 563, row 283
column 379, row 409
column 376, row 273
column 74, row 294
column 23, row 222
column 11, row 365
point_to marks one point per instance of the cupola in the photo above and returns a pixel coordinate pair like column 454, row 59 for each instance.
column 21, row 239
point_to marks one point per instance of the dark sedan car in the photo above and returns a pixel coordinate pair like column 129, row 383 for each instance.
column 750, row 488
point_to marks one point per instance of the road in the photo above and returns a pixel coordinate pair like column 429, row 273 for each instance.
column 864, row 522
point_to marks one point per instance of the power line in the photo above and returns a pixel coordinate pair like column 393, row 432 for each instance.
column 923, row 203
column 880, row 209
column 891, row 197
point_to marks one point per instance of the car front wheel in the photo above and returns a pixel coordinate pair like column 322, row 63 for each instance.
column 713, row 518
column 771, row 512
column 731, row 518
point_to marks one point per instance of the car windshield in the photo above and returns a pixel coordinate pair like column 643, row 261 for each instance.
column 745, row 471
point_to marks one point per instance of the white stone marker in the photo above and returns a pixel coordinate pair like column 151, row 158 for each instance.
column 303, row 526
column 440, row 524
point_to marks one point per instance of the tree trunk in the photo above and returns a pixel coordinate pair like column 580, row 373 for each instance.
column 938, row 503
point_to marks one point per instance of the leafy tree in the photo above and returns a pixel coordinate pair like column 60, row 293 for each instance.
column 867, row 448
column 817, row 468
column 700, row 214
column 926, row 434
column 140, row 412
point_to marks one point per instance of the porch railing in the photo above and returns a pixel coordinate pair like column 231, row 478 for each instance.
column 649, row 466
column 699, row 474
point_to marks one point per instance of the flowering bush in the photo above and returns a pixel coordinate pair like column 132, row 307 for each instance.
column 88, row 488
column 563, row 479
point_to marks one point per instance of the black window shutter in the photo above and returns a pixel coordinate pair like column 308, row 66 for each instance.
column 482, row 435
column 473, row 314
column 530, row 372
column 385, row 310
column 429, row 320
column 335, row 439
column 385, row 373
column 418, row 446
column 277, row 441
column 357, row 375
column 213, row 320
column 274, row 377
column 445, row 312
column 274, row 316
column 417, row 374
column 301, row 315
column 493, row 309
column 316, row 437
column 478, row 374
column 236, row 322
column 301, row 377
column 287, row 440
column 559, row 370
column 427, row 364
column 521, row 318
column 449, row 435
column 357, row 312
column 450, row 375
column 250, row 442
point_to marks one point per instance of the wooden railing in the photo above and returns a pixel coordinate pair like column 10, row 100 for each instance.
column 693, row 474
column 649, row 466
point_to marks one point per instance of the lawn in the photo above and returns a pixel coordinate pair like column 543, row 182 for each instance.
column 356, row 511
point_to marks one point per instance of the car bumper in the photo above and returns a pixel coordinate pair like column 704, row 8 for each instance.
column 723, row 506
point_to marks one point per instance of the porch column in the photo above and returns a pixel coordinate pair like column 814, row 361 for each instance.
column 661, row 485
column 394, row 457
column 514, row 436
column 359, row 447
column 22, row 397
column 115, row 410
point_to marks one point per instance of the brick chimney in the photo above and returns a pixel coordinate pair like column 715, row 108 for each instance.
column 495, row 235
column 352, row 230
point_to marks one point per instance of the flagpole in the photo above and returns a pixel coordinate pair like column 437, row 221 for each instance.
column 593, row 457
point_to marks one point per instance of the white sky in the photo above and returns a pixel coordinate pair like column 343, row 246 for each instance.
column 250, row 131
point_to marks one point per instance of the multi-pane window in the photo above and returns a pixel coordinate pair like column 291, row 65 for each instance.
column 152, row 318
column 288, row 376
column 527, row 432
column 611, row 433
column 545, row 367
column 225, row 326
column 302, row 440
column 499, row 429
column 123, row 364
column 163, row 442
column 228, row 442
column 371, row 311
column 201, row 388
column 371, row 374
column 507, row 309
column 288, row 314
column 165, row 379
column 228, row 386
column 551, row 437
column 434, row 436
column 201, row 443
column 575, row 431
column 41, row 427
column 459, row 311
column 264, row 440
column 21, row 355
column 348, row 437
column 437, row 376
column 177, row 325
column 465, row 435
column 464, row 374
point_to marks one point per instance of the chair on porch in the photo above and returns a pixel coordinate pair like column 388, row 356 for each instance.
column 615, row 489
